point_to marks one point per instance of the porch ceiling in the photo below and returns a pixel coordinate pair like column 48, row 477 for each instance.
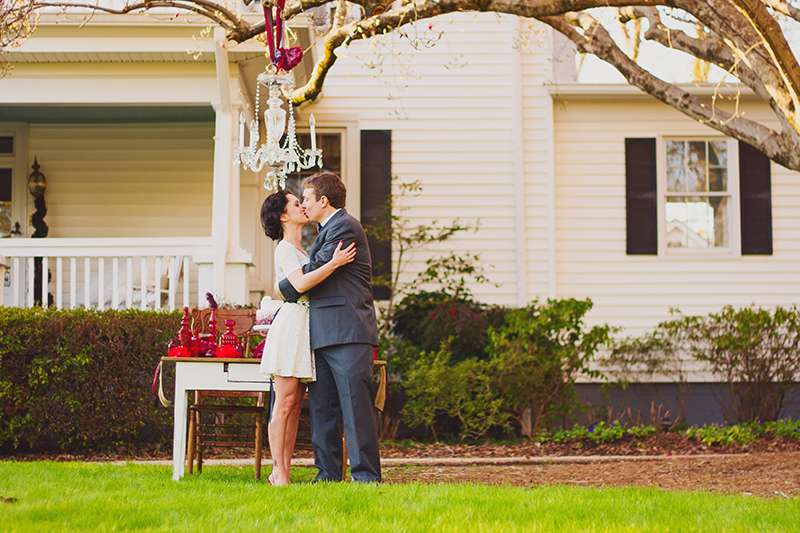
column 183, row 56
column 85, row 114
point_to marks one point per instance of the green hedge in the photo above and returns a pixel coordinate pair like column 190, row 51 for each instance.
column 81, row 380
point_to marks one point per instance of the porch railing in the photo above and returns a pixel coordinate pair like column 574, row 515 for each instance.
column 130, row 273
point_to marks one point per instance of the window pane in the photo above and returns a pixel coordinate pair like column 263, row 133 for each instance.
column 717, row 179
column 6, row 145
column 5, row 202
column 696, row 181
column 676, row 179
column 718, row 153
column 331, row 145
column 5, row 219
column 697, row 152
column 676, row 152
column 697, row 222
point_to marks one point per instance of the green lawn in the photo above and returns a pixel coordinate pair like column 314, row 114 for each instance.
column 103, row 497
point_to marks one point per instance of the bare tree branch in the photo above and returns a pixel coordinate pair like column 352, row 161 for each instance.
column 597, row 41
column 772, row 35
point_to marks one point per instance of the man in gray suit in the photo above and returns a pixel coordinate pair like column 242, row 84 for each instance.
column 343, row 333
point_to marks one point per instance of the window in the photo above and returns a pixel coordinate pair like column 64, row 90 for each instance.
column 6, row 145
column 697, row 202
column 13, row 176
column 6, row 184
column 331, row 145
column 375, row 189
column 695, row 198
column 5, row 202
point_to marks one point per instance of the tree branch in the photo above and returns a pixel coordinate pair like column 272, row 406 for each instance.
column 779, row 147
column 772, row 35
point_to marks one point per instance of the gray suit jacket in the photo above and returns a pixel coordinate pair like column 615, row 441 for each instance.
column 342, row 310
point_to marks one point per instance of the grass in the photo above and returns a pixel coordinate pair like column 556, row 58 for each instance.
column 103, row 497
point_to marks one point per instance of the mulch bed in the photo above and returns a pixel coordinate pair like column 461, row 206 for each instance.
column 664, row 444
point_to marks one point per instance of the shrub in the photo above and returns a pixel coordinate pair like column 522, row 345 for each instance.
column 463, row 391
column 80, row 380
column 528, row 374
column 539, row 352
column 753, row 352
column 428, row 319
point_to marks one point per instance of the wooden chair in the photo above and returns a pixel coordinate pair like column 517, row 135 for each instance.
column 221, row 432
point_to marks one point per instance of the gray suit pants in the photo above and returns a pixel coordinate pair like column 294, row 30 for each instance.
column 344, row 391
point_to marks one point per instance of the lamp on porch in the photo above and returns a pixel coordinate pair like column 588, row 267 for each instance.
column 37, row 185
column 281, row 158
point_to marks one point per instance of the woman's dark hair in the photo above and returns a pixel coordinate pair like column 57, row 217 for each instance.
column 271, row 210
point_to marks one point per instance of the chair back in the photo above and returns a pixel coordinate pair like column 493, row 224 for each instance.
column 245, row 320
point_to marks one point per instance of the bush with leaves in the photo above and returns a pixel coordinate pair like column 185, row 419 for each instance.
column 463, row 391
column 428, row 319
column 539, row 352
column 80, row 380
column 652, row 358
column 528, row 376
column 754, row 353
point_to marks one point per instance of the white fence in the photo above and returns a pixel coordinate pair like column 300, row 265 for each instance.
column 138, row 273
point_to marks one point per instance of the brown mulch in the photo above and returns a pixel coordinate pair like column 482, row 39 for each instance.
column 664, row 444
column 768, row 468
column 766, row 475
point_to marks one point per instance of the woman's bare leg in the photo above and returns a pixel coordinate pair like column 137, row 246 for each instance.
column 285, row 394
column 291, row 424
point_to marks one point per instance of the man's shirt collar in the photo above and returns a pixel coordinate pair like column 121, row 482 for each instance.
column 322, row 224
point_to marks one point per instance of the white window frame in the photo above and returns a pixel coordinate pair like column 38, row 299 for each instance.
column 18, row 163
column 734, row 248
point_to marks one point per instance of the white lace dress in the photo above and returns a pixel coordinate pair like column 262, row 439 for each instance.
column 287, row 351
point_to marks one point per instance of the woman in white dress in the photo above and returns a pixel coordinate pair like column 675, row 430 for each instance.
column 287, row 356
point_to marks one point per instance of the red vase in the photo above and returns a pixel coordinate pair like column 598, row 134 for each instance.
column 185, row 334
column 229, row 337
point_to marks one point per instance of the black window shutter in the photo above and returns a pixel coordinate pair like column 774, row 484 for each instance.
column 376, row 188
column 640, row 197
column 755, row 200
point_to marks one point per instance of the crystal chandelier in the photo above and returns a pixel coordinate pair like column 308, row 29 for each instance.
column 288, row 157
column 281, row 159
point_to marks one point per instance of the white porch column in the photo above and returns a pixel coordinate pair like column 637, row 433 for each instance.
column 230, row 261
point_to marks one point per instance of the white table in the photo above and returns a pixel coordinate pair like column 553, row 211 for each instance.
column 207, row 373
column 210, row 373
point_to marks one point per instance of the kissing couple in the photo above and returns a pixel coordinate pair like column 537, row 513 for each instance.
column 324, row 335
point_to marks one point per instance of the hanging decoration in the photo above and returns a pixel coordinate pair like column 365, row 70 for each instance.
column 288, row 157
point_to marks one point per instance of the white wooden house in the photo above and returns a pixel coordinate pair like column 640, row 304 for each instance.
column 134, row 134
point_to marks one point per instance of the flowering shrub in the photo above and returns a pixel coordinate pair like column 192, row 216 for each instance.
column 427, row 319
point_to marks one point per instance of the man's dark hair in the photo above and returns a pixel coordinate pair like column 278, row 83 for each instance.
column 329, row 185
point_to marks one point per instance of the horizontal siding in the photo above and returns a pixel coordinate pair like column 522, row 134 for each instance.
column 449, row 109
column 126, row 180
column 637, row 292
